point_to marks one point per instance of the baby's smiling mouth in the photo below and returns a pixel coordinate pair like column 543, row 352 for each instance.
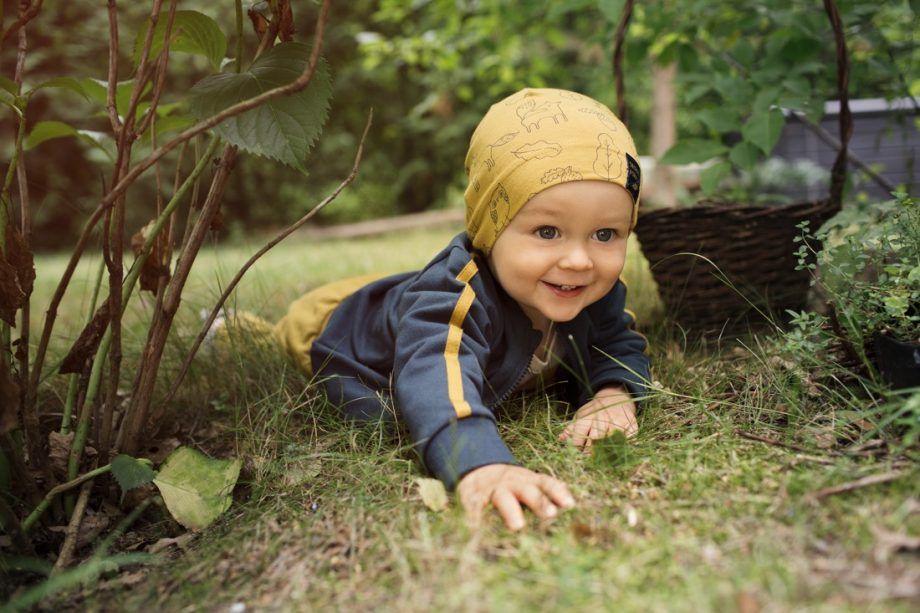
column 564, row 288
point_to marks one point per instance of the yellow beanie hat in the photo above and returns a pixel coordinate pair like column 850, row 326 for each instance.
column 537, row 138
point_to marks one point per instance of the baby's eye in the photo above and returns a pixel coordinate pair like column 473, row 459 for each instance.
column 604, row 235
column 547, row 232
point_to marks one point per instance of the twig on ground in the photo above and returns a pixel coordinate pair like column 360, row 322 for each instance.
column 277, row 239
column 859, row 483
column 769, row 441
column 73, row 528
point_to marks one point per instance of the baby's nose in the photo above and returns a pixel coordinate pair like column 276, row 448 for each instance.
column 576, row 257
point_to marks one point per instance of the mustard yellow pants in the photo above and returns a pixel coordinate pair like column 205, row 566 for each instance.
column 306, row 318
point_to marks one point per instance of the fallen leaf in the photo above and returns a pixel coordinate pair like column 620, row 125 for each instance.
column 59, row 452
column 433, row 493
column 297, row 474
column 180, row 541
column 632, row 516
column 197, row 489
column 888, row 543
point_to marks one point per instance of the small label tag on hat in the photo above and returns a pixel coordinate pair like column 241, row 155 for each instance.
column 633, row 177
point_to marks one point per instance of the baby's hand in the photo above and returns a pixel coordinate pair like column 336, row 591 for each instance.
column 610, row 410
column 506, row 486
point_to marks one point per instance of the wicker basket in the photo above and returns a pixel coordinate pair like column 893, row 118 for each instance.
column 722, row 269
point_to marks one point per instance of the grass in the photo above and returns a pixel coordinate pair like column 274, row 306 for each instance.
column 688, row 516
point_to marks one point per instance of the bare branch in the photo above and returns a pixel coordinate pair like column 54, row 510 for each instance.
column 136, row 415
column 110, row 104
column 177, row 381
column 142, row 73
column 24, row 17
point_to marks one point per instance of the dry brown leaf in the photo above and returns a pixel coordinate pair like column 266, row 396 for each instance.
column 9, row 400
column 11, row 295
column 20, row 258
column 152, row 268
column 286, row 27
column 825, row 438
column 888, row 543
column 17, row 274
column 217, row 221
column 433, row 494
column 180, row 541
column 297, row 474
column 59, row 452
column 86, row 344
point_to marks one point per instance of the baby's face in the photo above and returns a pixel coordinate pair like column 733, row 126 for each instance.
column 564, row 250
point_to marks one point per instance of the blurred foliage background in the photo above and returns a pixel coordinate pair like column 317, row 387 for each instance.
column 430, row 69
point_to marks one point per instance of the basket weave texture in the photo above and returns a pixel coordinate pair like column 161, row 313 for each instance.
column 717, row 265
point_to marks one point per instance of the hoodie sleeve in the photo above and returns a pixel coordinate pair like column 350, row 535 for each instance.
column 617, row 352
column 442, row 347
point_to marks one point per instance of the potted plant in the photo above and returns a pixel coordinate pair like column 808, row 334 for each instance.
column 870, row 275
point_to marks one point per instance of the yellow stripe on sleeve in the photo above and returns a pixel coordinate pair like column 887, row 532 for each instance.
column 454, row 337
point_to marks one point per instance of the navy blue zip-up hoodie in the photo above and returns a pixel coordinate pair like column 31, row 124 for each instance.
column 451, row 345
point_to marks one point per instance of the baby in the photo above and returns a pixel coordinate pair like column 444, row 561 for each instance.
column 528, row 294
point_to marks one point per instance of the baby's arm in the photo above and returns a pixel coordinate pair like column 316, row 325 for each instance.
column 611, row 409
column 505, row 487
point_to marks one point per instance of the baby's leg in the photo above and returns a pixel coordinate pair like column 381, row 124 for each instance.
column 307, row 317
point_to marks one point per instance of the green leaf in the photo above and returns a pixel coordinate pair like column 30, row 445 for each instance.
column 9, row 99
column 196, row 488
column 8, row 85
column 719, row 120
column 763, row 129
column 766, row 98
column 47, row 130
column 192, row 32
column 282, row 129
column 915, row 6
column 97, row 90
column 70, row 83
column 130, row 472
column 612, row 9
column 744, row 155
column 692, row 150
column 560, row 8
column 712, row 176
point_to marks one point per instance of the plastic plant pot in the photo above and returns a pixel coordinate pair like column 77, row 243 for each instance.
column 898, row 362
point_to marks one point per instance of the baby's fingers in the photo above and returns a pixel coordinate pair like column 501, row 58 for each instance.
column 579, row 431
column 557, row 491
column 507, row 505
